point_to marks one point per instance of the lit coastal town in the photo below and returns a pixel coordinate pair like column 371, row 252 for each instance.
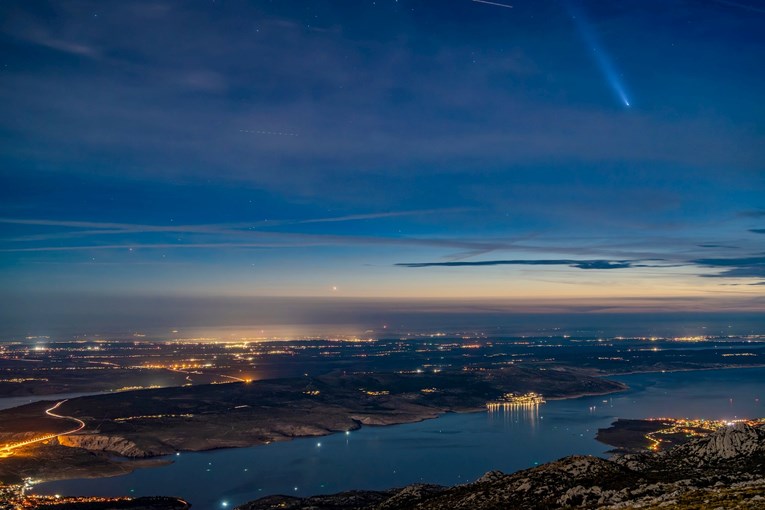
column 511, row 400
column 689, row 428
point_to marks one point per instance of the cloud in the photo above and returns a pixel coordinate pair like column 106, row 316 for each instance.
column 240, row 235
column 581, row 264
column 743, row 267
column 95, row 228
column 280, row 240
column 746, row 261
column 71, row 47
column 374, row 216
column 714, row 245
column 57, row 38
column 752, row 214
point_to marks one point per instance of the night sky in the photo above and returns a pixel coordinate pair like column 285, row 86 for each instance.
column 553, row 153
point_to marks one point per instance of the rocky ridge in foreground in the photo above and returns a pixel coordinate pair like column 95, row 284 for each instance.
column 725, row 469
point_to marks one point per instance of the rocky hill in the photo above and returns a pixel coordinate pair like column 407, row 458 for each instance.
column 725, row 469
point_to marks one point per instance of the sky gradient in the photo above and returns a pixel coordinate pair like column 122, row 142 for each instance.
column 551, row 154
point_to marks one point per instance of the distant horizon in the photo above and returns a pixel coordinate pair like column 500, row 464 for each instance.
column 158, row 316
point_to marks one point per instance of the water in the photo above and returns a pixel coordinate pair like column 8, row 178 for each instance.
column 10, row 402
column 455, row 448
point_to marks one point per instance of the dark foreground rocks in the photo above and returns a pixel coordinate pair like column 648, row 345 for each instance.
column 723, row 470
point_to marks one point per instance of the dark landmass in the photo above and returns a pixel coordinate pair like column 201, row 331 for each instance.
column 148, row 423
column 25, row 422
column 55, row 462
column 92, row 380
column 725, row 469
column 629, row 435
column 657, row 434
column 648, row 367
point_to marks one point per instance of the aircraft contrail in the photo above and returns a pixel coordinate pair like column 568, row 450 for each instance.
column 493, row 3
column 277, row 133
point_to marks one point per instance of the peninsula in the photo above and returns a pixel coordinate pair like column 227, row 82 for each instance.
column 151, row 423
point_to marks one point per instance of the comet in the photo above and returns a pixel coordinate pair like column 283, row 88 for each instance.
column 602, row 60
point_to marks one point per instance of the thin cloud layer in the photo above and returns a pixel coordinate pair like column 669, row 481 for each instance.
column 581, row 264
column 746, row 267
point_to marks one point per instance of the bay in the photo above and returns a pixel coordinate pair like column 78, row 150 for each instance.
column 455, row 448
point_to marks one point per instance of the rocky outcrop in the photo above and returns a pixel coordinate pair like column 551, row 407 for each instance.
column 738, row 441
column 409, row 495
column 113, row 444
column 726, row 468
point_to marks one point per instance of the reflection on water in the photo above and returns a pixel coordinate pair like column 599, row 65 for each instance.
column 515, row 415
column 455, row 448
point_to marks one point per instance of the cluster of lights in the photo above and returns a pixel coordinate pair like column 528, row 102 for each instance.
column 512, row 400
column 134, row 388
column 376, row 393
column 690, row 428
column 153, row 417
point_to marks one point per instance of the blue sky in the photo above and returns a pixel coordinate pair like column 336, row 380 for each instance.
column 359, row 149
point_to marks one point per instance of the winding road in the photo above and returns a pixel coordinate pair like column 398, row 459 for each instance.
column 7, row 450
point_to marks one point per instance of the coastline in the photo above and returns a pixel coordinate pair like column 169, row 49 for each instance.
column 398, row 416
column 167, row 459
column 335, row 450
column 382, row 421
column 129, row 466
column 592, row 394
column 665, row 371
column 467, row 410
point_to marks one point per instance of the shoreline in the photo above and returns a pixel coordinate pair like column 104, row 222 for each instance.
column 638, row 372
column 168, row 458
column 471, row 410
column 593, row 394
column 193, row 459
column 53, row 397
